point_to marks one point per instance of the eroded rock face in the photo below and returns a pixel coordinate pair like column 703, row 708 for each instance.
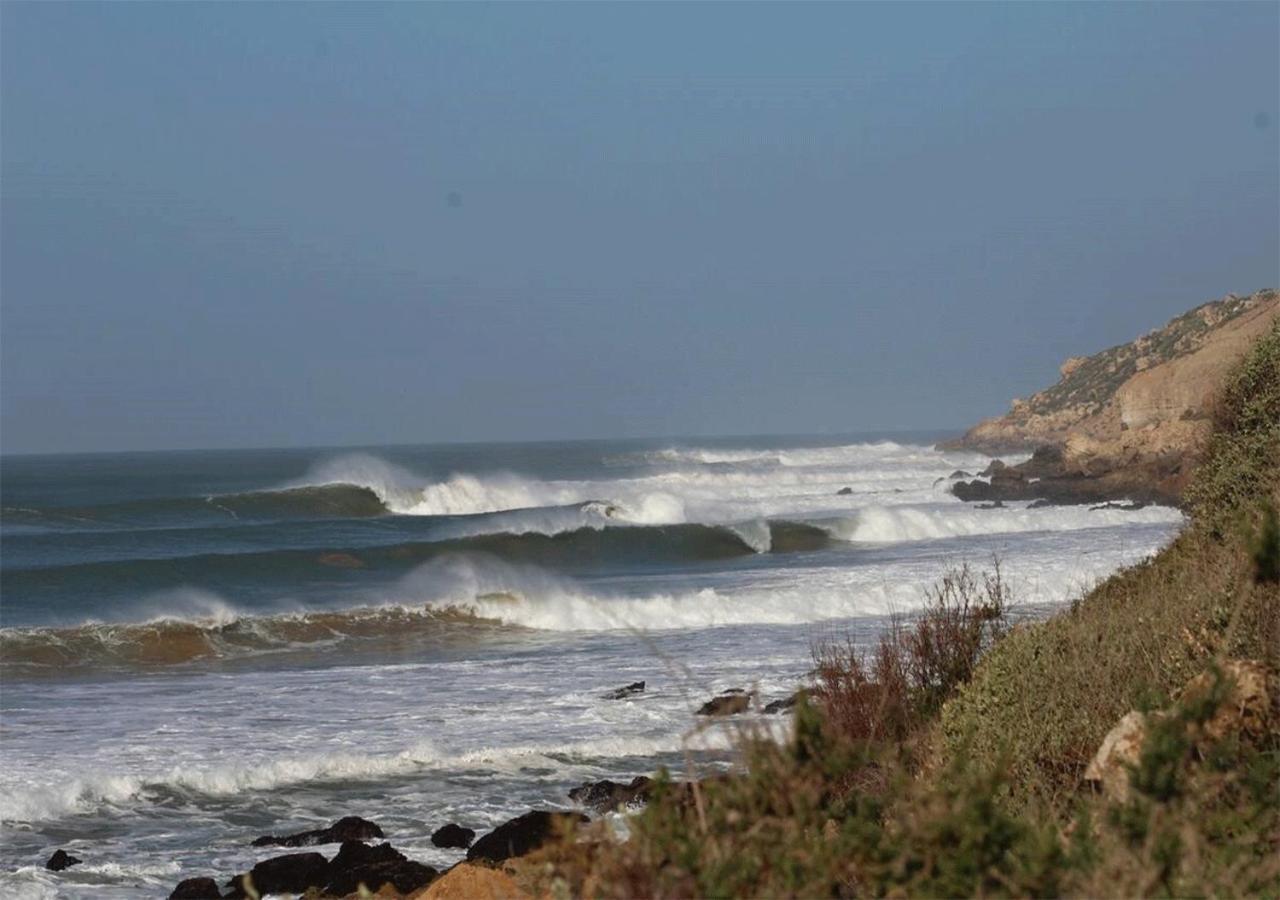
column 453, row 836
column 1245, row 707
column 1120, row 751
column 348, row 828
column 467, row 882
column 607, row 795
column 1241, row 691
column 522, row 834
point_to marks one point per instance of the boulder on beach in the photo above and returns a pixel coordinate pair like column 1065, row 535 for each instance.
column 606, row 795
column 60, row 860
column 624, row 692
column 453, row 836
column 359, row 866
column 348, row 828
column 196, row 889
column 523, row 834
column 290, row 874
column 730, row 703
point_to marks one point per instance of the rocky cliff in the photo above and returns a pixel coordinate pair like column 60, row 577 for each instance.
column 1129, row 420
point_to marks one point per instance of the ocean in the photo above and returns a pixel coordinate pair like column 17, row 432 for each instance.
column 197, row 648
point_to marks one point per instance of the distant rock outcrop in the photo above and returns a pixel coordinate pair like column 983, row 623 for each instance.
column 1127, row 421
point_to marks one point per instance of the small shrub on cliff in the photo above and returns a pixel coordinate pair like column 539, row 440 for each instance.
column 917, row 664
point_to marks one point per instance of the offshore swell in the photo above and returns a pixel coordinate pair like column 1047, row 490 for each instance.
column 367, row 607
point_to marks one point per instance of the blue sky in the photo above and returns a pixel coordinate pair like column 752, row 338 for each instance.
column 289, row 224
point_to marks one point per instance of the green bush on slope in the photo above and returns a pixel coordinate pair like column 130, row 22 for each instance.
column 1047, row 694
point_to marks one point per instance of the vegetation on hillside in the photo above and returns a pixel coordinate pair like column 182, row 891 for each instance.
column 1095, row 380
column 949, row 759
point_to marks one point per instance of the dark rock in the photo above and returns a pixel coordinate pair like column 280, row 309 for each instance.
column 730, row 703
column 999, row 504
column 522, row 835
column 452, row 835
column 196, row 889
column 844, row 492
column 348, row 828
column 60, row 860
column 782, row 705
column 623, row 692
column 405, row 876
column 1049, row 476
column 359, row 864
column 290, row 874
column 604, row 796
column 353, row 854
column 960, row 473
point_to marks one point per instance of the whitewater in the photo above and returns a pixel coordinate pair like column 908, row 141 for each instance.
column 200, row 648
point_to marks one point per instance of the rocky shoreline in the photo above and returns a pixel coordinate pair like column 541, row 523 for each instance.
column 1047, row 479
column 1126, row 424
column 366, row 863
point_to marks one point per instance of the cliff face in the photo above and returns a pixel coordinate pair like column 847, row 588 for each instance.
column 1136, row 413
column 1152, row 393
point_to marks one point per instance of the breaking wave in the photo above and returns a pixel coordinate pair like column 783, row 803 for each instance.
column 895, row 524
column 91, row 793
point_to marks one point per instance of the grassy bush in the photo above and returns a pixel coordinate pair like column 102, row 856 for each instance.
column 889, row 694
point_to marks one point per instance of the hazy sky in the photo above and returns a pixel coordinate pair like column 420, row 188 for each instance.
column 253, row 225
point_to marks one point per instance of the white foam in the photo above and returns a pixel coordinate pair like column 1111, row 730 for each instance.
column 90, row 793
column 692, row 484
column 881, row 524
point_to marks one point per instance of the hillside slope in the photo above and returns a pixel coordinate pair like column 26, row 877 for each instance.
column 1128, row 421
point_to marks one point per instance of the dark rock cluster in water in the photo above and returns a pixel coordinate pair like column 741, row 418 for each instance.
column 348, row 828
column 60, row 860
column 730, row 703
column 1047, row 480
column 622, row 693
column 359, row 867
